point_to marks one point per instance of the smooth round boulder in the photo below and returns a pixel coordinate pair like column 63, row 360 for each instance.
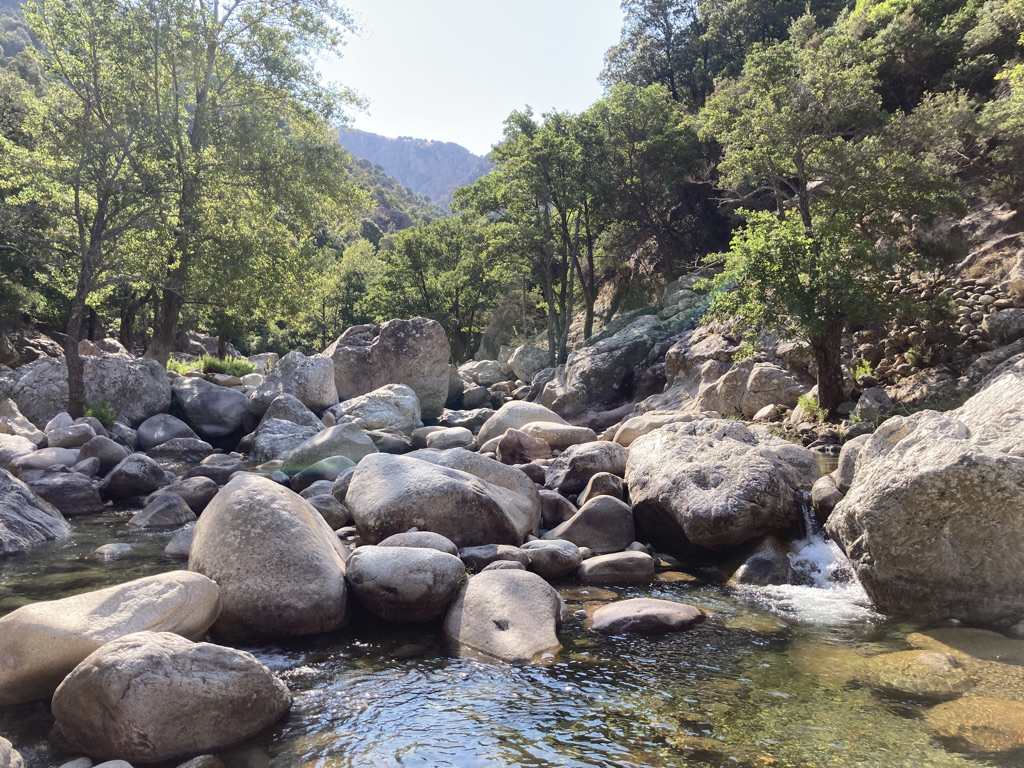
column 507, row 614
column 450, row 437
column 152, row 696
column 159, row 429
column 404, row 584
column 71, row 492
column 197, row 492
column 601, row 484
column 480, row 557
column 555, row 508
column 603, row 525
column 109, row 453
column 559, row 436
column 644, row 616
column 515, row 447
column 137, row 475
column 45, row 458
column 166, row 510
column 279, row 565
column 423, row 539
column 552, row 559
column 920, row 675
column 514, row 415
column 42, row 642
column 211, row 410
column 219, row 467
column 71, row 436
column 617, row 568
column 346, row 440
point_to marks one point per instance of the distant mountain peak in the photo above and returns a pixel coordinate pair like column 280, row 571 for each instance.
column 427, row 166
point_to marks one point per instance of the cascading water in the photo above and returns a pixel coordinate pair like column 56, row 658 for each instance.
column 824, row 589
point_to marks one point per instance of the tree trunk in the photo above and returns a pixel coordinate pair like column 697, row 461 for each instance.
column 222, row 345
column 165, row 324
column 830, row 369
column 76, row 369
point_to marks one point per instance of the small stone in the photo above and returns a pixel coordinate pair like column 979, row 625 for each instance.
column 645, row 616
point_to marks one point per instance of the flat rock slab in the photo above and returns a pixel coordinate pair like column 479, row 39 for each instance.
column 644, row 616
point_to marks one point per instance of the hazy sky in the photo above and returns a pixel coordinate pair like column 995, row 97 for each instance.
column 452, row 70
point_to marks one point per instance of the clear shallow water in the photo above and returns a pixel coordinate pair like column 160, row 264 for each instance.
column 766, row 683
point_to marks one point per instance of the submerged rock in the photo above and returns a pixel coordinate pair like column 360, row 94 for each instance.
column 151, row 696
column 921, row 675
column 978, row 724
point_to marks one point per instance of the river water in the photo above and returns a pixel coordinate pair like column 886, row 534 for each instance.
column 766, row 682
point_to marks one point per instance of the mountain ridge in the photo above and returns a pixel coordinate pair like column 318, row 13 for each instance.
column 428, row 167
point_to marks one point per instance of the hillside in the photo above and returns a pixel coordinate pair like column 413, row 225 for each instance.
column 432, row 168
column 396, row 206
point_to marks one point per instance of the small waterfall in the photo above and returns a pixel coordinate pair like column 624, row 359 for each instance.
column 824, row 589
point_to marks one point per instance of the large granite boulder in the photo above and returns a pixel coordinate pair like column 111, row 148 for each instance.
column 715, row 484
column 70, row 492
column 411, row 352
column 602, row 372
column 931, row 522
column 12, row 422
column 526, row 361
column 136, row 388
column 391, row 406
column 515, row 415
column 162, row 427
column 136, row 475
column 275, row 438
column 211, row 410
column 109, row 453
column 391, row 494
column 308, row 379
column 279, row 565
column 511, row 615
column 12, row 448
column 152, row 696
column 573, row 469
column 25, row 519
column 404, row 584
column 42, row 642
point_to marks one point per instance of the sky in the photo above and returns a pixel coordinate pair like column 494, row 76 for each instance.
column 452, row 70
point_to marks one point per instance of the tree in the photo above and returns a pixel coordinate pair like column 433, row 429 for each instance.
column 804, row 123
column 240, row 112
column 447, row 271
column 88, row 168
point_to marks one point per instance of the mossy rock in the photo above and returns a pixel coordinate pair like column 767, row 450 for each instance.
column 918, row 675
column 976, row 643
column 978, row 724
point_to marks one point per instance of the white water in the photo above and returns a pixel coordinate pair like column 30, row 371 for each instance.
column 825, row 591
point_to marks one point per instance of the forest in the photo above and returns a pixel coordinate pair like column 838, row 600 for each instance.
column 175, row 166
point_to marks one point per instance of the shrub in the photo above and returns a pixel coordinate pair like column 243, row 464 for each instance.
column 181, row 367
column 810, row 406
column 232, row 366
column 863, row 368
column 102, row 411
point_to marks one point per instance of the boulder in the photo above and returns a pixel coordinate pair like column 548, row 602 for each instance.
column 308, row 379
column 10, row 757
column 484, row 373
column 71, row 436
column 514, row 415
column 602, row 371
column 555, row 508
column 930, row 522
column 450, row 437
column 515, row 447
column 602, row 525
column 768, row 384
column 424, row 539
column 160, row 428
column 404, row 584
column 602, row 484
column 289, row 408
column 552, row 559
column 165, row 510
column 393, row 405
column 644, row 616
column 334, row 513
column 572, row 470
column 715, row 484
column 152, row 696
column 196, row 492
column 70, row 492
column 213, row 411
column 183, row 451
column 137, row 475
column 920, row 675
column 275, row 438
column 12, row 448
column 12, row 422
column 527, row 361
column 218, row 467
column 42, row 642
column 324, row 470
column 390, row 494
column 342, row 440
column 136, row 388
column 848, row 463
column 109, row 453
column 25, row 519
column 479, row 557
column 824, row 497
column 873, row 403
column 1004, row 326
column 411, row 352
column 644, row 424
column 617, row 568
column 511, row 615
column 559, row 436
column 279, row 565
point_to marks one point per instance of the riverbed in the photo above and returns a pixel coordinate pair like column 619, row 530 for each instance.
column 768, row 681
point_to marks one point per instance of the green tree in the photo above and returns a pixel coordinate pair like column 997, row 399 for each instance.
column 805, row 123
column 242, row 115
column 447, row 271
